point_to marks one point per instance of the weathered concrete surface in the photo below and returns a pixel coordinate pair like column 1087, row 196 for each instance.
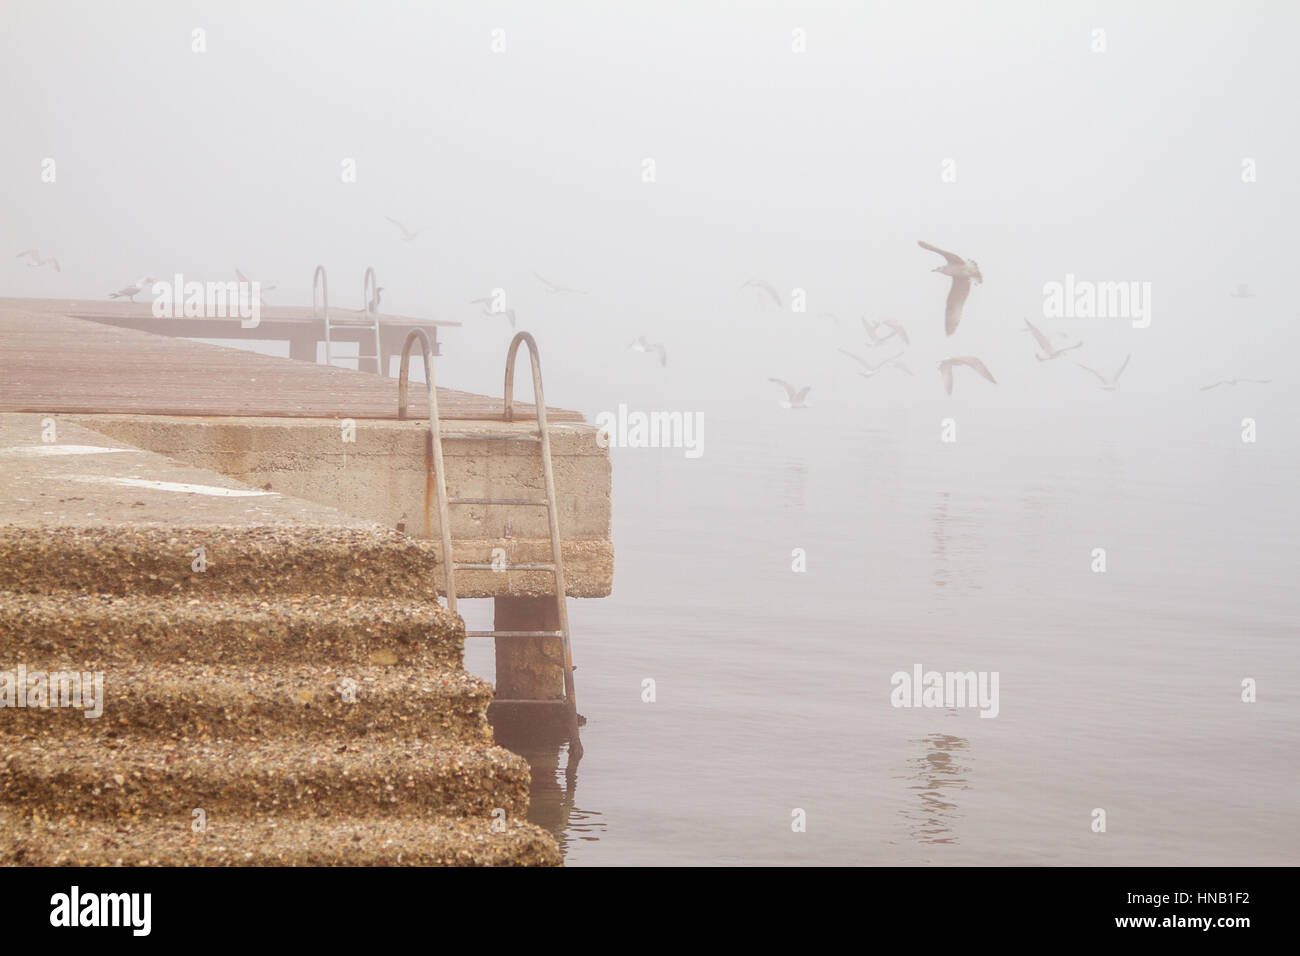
column 247, row 714
column 383, row 476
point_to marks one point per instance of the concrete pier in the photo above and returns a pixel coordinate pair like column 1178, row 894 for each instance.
column 329, row 436
column 121, row 453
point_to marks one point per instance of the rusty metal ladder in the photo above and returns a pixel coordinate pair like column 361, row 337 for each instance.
column 368, row 321
column 543, row 438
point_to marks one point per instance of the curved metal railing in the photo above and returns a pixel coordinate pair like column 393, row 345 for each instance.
column 548, row 475
column 369, row 289
column 435, row 437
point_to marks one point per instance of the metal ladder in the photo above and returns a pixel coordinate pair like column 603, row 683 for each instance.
column 543, row 438
column 369, row 321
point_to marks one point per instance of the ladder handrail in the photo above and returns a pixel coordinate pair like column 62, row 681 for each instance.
column 552, row 516
column 435, row 438
column 548, row 475
column 318, row 278
column 368, row 284
column 319, row 274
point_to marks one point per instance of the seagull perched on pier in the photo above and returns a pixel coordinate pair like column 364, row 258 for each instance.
column 1048, row 352
column 891, row 362
column 641, row 345
column 794, row 398
column 555, row 287
column 962, row 271
column 970, row 361
column 1108, row 383
column 766, row 287
column 407, row 235
column 1236, row 381
column 134, row 289
column 34, row 258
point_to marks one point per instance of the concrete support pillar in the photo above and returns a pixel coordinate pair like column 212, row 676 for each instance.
column 528, row 668
column 303, row 348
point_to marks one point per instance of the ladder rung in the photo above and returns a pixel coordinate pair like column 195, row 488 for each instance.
column 508, row 567
column 494, row 436
column 499, row 501
column 514, row 633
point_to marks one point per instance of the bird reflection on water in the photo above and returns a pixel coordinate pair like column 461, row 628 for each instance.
column 936, row 775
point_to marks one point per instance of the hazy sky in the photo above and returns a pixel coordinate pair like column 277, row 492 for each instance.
column 817, row 170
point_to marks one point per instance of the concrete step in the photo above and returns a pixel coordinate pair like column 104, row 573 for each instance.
column 99, row 632
column 145, row 559
column 193, row 702
column 366, row 841
column 165, row 781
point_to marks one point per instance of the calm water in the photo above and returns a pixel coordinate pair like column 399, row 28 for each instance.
column 1118, row 690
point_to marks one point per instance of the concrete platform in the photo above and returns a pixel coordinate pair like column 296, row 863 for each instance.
column 277, row 424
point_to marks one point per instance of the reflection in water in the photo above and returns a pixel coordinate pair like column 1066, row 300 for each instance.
column 958, row 545
column 553, row 762
column 936, row 775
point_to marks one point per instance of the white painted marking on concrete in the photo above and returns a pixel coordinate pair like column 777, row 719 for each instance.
column 176, row 486
column 37, row 451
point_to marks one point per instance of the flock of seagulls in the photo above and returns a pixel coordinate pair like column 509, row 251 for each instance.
column 963, row 273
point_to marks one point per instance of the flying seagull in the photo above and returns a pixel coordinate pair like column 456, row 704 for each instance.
column 1242, row 292
column 134, row 289
column 874, row 337
column 556, row 287
column 262, row 290
column 1236, row 381
column 962, row 271
column 407, row 235
column 1048, row 351
column 898, row 331
column 945, row 368
column 492, row 313
column 873, row 369
column 1108, row 383
column 34, row 258
column 641, row 345
column 794, row 398
column 765, row 287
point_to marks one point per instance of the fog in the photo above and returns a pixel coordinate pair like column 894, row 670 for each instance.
column 816, row 170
